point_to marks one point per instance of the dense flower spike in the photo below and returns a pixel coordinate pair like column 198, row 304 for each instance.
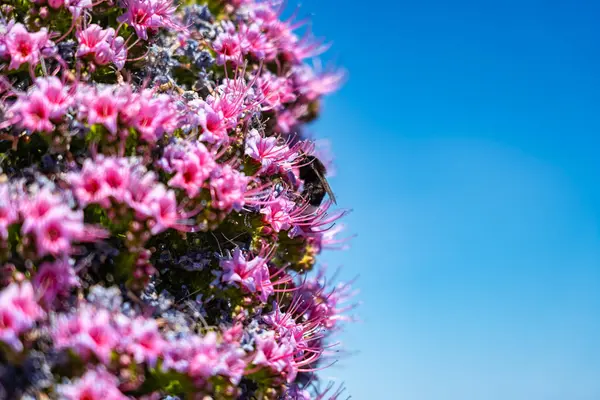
column 158, row 229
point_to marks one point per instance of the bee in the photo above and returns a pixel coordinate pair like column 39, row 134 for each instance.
column 315, row 184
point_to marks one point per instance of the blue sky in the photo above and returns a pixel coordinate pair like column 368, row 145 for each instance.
column 466, row 143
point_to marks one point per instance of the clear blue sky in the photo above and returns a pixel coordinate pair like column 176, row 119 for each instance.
column 467, row 141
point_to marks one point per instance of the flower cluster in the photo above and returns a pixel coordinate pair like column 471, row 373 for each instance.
column 159, row 220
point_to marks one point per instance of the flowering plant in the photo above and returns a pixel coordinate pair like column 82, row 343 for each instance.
column 158, row 229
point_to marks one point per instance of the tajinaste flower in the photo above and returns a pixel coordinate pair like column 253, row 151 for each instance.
column 192, row 164
column 54, row 278
column 96, row 384
column 8, row 209
column 18, row 312
column 88, row 332
column 228, row 189
column 149, row 15
column 102, row 46
column 25, row 47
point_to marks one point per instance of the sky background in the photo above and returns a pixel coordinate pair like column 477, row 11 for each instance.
column 466, row 142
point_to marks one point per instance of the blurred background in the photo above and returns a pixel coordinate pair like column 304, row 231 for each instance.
column 466, row 142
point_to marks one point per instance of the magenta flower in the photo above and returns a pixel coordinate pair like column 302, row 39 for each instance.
column 163, row 207
column 274, row 90
column 18, row 312
column 96, row 384
column 53, row 279
column 228, row 45
column 88, row 185
column 102, row 46
column 8, row 210
column 214, row 128
column 267, row 150
column 206, row 358
column 271, row 354
column 55, row 233
column 34, row 112
column 262, row 280
column 35, row 208
column 314, row 83
column 192, row 169
column 88, row 332
column 102, row 108
column 145, row 342
column 277, row 214
column 233, row 365
column 238, row 269
column 56, row 94
column 23, row 46
column 228, row 188
column 154, row 116
column 144, row 15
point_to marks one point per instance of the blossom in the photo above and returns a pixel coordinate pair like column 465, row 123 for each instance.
column 23, row 46
column 192, row 168
column 144, row 341
column 53, row 279
column 8, row 210
column 56, row 94
column 145, row 15
column 18, row 312
column 102, row 46
column 89, row 332
column 228, row 188
column 238, row 269
column 34, row 112
column 55, row 233
column 277, row 214
column 271, row 354
column 228, row 45
column 96, row 384
column 102, row 107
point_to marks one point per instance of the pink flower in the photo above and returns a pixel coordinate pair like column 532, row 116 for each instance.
column 94, row 39
column 255, row 42
column 145, row 342
column 154, row 117
column 314, row 83
column 53, row 279
column 205, row 362
column 232, row 364
column 102, row 45
column 88, row 332
column 57, row 96
column 8, row 210
column 228, row 188
column 18, row 312
column 275, row 90
column 192, row 169
column 271, row 354
column 23, row 46
column 262, row 279
column 35, row 208
column 144, row 15
column 163, row 207
column 102, row 108
column 34, row 112
column 88, row 185
column 228, row 45
column 115, row 178
column 238, row 269
column 55, row 233
column 277, row 214
column 96, row 384
column 214, row 128
column 56, row 4
column 266, row 150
